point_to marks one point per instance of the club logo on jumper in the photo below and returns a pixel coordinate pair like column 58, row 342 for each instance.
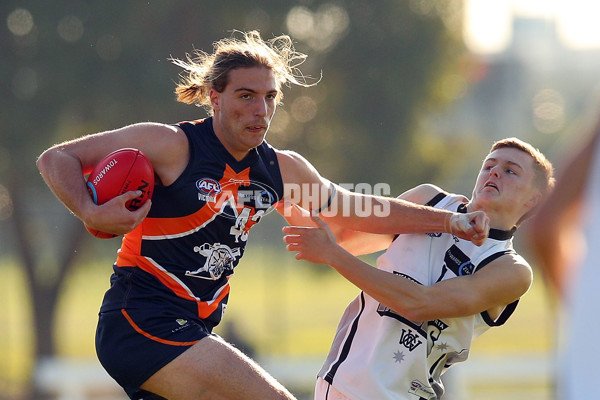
column 208, row 189
column 263, row 199
column 220, row 259
column 434, row 235
column 409, row 339
column 424, row 330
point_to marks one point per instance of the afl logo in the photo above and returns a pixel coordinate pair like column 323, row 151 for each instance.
column 208, row 189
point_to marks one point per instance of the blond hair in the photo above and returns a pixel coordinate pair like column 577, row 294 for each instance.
column 204, row 71
column 543, row 170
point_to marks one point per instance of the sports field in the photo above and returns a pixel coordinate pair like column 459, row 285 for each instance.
column 287, row 311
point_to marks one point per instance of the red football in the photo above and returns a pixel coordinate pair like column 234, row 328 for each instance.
column 121, row 171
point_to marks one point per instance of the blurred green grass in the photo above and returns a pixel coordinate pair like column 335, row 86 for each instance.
column 282, row 307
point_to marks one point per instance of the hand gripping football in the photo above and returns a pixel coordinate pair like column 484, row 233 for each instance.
column 121, row 171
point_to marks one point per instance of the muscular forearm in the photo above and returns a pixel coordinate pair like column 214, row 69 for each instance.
column 63, row 175
column 385, row 215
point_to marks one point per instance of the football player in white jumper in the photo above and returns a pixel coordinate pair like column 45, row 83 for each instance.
column 430, row 294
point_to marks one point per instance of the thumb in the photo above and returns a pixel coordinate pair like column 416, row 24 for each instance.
column 130, row 195
column 145, row 208
column 134, row 199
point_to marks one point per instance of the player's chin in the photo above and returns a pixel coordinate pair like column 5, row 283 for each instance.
column 255, row 139
column 483, row 200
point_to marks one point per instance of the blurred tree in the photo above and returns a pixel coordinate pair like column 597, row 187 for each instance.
column 387, row 67
column 75, row 67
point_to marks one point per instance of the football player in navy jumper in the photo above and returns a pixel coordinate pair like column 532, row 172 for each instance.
column 216, row 177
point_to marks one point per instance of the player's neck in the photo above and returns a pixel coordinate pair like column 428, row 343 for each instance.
column 499, row 219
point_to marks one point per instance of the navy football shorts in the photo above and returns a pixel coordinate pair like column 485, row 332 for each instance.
column 132, row 345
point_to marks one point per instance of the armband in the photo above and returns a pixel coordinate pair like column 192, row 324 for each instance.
column 329, row 200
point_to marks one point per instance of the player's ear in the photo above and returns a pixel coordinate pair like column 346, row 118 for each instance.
column 535, row 199
column 532, row 205
column 215, row 99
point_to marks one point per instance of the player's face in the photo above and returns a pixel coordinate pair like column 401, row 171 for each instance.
column 244, row 110
column 506, row 183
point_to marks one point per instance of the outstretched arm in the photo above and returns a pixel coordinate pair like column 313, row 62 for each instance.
column 354, row 241
column 498, row 284
column 370, row 213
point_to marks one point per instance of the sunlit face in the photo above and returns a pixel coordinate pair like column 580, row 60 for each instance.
column 244, row 110
column 505, row 184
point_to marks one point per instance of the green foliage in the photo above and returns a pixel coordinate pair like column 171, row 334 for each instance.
column 376, row 82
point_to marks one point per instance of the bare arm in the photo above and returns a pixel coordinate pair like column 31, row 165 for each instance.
column 359, row 243
column 498, row 284
column 369, row 213
column 64, row 165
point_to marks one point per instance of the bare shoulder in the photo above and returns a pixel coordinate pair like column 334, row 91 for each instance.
column 153, row 137
column 421, row 194
column 503, row 281
column 291, row 159
column 168, row 135
column 516, row 261
column 512, row 271
column 168, row 150
column 295, row 168
column 165, row 145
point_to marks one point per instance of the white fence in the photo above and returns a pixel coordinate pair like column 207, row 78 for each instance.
column 75, row 379
column 528, row 377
